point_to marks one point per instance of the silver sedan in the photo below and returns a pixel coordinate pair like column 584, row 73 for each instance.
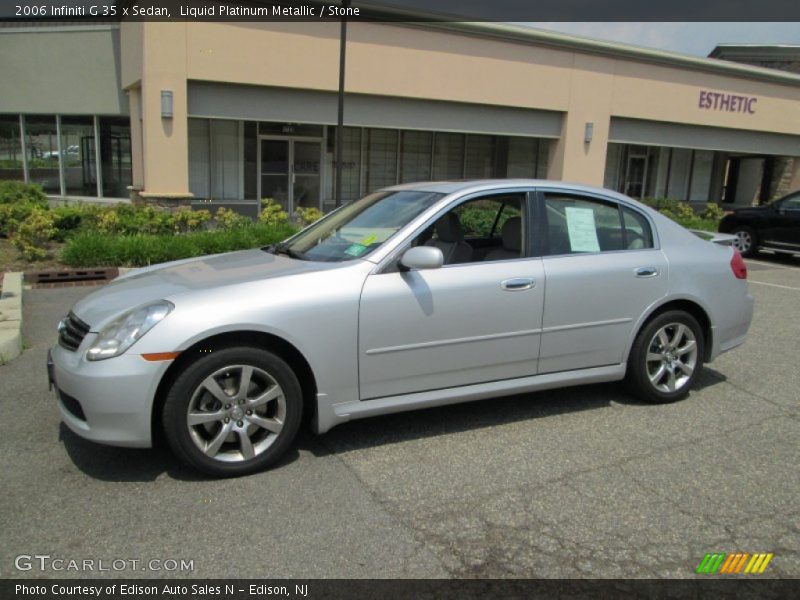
column 413, row 296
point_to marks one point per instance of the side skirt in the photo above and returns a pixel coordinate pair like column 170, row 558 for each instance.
column 347, row 411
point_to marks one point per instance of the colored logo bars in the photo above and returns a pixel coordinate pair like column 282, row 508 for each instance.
column 734, row 563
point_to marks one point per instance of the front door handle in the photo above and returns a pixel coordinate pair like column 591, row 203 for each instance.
column 646, row 272
column 518, row 284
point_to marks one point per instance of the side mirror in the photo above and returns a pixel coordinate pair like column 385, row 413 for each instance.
column 422, row 257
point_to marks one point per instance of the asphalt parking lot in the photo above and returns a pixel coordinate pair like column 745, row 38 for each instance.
column 582, row 482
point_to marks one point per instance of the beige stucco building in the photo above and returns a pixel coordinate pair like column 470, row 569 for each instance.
column 228, row 113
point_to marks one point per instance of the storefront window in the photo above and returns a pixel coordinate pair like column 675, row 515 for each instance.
column 448, row 156
column 479, row 159
column 522, row 157
column 415, row 156
column 10, row 148
column 199, row 158
column 115, row 153
column 381, row 161
column 78, row 155
column 42, row 146
column 701, row 176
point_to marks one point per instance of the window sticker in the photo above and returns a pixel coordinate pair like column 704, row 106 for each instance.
column 355, row 250
column 581, row 229
column 369, row 240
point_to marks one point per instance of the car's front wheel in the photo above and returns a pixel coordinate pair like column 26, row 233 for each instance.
column 746, row 240
column 233, row 412
column 666, row 357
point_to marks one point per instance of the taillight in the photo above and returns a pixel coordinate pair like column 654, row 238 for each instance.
column 738, row 265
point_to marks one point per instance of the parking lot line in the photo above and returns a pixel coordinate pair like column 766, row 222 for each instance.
column 785, row 287
column 773, row 265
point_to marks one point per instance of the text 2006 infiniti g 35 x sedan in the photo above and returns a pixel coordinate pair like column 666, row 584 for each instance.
column 414, row 296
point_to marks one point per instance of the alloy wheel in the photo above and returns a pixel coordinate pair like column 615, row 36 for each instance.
column 236, row 413
column 671, row 357
column 743, row 241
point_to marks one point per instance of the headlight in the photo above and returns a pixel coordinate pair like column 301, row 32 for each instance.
column 118, row 336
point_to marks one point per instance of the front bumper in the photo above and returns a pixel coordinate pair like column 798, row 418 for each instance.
column 108, row 401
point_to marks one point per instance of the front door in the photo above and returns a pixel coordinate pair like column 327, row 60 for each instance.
column 290, row 172
column 787, row 230
column 473, row 321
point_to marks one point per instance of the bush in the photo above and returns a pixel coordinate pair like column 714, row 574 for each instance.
column 683, row 213
column 98, row 249
column 17, row 192
column 33, row 234
column 187, row 219
column 227, row 219
column 307, row 216
column 11, row 215
column 71, row 218
column 272, row 213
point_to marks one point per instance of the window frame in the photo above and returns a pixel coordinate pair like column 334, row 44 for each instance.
column 531, row 246
column 543, row 236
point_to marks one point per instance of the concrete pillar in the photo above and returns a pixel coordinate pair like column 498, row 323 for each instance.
column 137, row 158
column 571, row 157
column 165, row 141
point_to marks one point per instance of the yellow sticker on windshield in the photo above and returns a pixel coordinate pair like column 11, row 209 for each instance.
column 367, row 241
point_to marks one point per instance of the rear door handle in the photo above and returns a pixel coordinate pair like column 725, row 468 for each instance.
column 517, row 284
column 646, row 272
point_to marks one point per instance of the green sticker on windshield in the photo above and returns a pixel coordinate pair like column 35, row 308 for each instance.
column 355, row 250
column 368, row 241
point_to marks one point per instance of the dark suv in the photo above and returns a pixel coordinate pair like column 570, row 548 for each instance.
column 774, row 227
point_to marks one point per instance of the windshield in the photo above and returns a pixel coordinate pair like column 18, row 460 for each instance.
column 359, row 228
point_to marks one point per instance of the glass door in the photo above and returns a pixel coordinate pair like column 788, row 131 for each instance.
column 636, row 176
column 306, row 158
column 290, row 172
column 274, row 171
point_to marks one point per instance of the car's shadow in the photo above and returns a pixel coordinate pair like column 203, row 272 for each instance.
column 778, row 258
column 108, row 463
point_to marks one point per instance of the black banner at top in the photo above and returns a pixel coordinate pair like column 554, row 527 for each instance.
column 400, row 10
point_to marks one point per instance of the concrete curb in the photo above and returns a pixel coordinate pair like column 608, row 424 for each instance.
column 11, row 317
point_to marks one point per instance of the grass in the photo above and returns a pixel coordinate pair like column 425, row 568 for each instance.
column 103, row 250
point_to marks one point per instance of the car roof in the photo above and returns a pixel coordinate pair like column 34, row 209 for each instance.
column 481, row 185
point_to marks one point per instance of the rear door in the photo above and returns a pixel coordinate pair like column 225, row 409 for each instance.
column 603, row 270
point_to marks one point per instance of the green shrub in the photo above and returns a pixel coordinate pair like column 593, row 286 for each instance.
column 228, row 219
column 187, row 219
column 87, row 249
column 307, row 216
column 11, row 215
column 15, row 192
column 71, row 218
column 272, row 213
column 33, row 234
column 683, row 213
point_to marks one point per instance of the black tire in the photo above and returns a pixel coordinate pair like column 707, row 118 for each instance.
column 638, row 377
column 176, row 408
column 747, row 243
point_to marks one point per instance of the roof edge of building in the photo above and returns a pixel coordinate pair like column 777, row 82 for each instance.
column 615, row 50
column 531, row 35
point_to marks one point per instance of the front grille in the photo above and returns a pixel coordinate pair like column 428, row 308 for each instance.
column 72, row 405
column 71, row 332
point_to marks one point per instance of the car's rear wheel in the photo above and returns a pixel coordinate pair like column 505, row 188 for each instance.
column 233, row 412
column 746, row 240
column 666, row 357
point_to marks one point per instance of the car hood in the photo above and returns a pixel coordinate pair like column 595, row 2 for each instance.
column 171, row 279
